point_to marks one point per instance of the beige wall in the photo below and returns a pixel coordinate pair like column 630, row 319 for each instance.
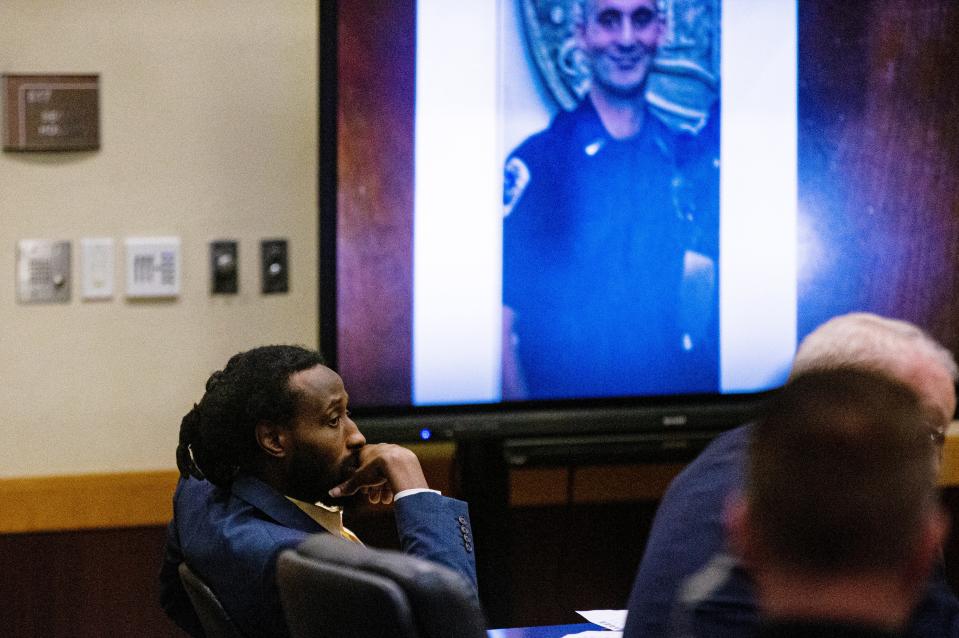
column 208, row 131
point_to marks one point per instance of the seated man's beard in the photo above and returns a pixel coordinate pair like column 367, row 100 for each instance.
column 309, row 479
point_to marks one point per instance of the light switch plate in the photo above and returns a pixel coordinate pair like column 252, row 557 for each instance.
column 97, row 259
column 43, row 271
column 224, row 269
column 274, row 266
column 152, row 267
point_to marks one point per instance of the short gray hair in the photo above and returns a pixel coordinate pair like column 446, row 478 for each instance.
column 868, row 341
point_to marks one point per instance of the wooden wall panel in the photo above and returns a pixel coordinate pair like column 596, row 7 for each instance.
column 49, row 503
column 85, row 584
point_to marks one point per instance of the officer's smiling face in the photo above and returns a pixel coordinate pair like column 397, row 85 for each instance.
column 620, row 38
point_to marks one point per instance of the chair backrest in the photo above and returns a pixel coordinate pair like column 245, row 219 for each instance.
column 216, row 622
column 337, row 589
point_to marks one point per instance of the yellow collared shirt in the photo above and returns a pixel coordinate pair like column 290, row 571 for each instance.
column 329, row 517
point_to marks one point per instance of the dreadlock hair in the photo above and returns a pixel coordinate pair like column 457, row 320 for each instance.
column 217, row 437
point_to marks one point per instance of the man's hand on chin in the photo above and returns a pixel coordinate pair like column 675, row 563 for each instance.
column 384, row 470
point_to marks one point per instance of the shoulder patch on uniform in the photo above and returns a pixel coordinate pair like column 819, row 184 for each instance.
column 515, row 180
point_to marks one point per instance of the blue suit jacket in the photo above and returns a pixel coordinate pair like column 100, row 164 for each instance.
column 688, row 538
column 231, row 539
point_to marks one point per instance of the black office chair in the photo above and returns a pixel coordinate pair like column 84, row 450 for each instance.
column 216, row 622
column 336, row 589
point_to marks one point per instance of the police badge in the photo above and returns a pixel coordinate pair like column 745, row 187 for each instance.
column 684, row 82
column 515, row 179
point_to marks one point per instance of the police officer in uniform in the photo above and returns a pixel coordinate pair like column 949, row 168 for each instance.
column 607, row 213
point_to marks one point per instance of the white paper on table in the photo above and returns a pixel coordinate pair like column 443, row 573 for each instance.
column 614, row 619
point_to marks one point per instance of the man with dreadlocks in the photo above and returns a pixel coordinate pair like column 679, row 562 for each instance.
column 264, row 459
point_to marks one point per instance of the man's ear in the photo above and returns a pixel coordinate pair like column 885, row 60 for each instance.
column 740, row 534
column 272, row 438
column 928, row 549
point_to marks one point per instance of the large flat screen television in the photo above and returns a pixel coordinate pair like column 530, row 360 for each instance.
column 511, row 247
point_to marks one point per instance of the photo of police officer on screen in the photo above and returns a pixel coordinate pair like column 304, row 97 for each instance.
column 610, row 232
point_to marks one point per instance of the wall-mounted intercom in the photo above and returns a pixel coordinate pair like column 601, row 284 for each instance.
column 43, row 271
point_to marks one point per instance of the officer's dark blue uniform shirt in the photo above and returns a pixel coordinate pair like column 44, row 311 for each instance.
column 594, row 240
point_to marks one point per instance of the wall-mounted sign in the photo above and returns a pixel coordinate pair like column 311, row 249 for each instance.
column 51, row 112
